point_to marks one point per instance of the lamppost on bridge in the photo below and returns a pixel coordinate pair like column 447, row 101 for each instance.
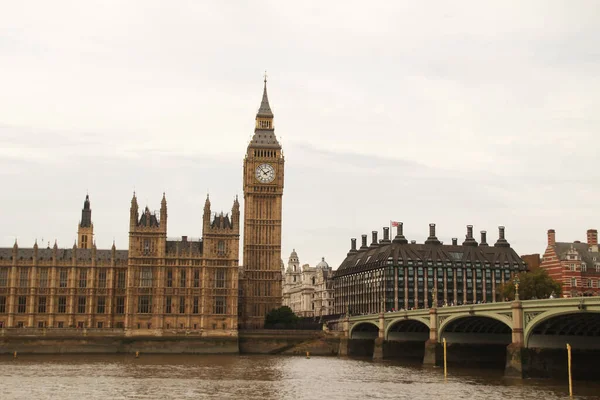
column 516, row 282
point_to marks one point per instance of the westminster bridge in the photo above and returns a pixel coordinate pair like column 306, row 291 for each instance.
column 527, row 338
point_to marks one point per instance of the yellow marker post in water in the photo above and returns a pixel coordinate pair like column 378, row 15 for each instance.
column 570, row 377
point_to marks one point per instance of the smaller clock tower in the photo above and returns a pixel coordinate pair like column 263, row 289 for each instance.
column 263, row 191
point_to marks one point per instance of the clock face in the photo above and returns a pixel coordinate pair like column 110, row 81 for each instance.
column 265, row 173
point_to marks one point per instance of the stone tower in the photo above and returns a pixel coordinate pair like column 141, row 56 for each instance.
column 147, row 245
column 85, row 231
column 263, row 191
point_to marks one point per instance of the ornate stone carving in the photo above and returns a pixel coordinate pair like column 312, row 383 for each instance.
column 530, row 316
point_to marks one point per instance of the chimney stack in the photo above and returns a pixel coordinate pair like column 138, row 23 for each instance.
column 386, row 234
column 469, row 240
column 483, row 238
column 352, row 246
column 364, row 242
column 374, row 236
column 454, row 241
column 501, row 242
column 400, row 234
column 432, row 239
column 551, row 237
column 592, row 237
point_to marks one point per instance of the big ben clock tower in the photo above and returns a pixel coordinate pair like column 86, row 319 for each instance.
column 263, row 190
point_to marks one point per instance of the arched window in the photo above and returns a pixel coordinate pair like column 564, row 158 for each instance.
column 221, row 247
column 313, row 280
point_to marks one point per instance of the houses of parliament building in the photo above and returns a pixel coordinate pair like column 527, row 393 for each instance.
column 159, row 284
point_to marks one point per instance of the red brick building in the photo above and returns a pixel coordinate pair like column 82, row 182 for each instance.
column 575, row 264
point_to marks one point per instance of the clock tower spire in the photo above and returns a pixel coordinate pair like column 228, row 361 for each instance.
column 263, row 191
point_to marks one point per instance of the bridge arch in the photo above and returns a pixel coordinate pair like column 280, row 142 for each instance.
column 407, row 329
column 554, row 329
column 364, row 330
column 483, row 327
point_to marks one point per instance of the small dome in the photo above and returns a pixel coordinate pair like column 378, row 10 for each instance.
column 323, row 264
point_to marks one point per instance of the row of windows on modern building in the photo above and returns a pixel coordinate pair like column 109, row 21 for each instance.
column 415, row 287
column 80, row 280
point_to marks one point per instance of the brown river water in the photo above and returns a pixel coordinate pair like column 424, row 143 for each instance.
column 258, row 377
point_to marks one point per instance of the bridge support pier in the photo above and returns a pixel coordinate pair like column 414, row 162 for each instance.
column 514, row 360
column 343, row 351
column 378, row 349
column 516, row 351
column 433, row 353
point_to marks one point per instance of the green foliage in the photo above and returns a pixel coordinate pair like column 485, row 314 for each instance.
column 532, row 285
column 281, row 317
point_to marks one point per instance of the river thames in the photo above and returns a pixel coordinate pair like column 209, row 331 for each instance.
column 257, row 377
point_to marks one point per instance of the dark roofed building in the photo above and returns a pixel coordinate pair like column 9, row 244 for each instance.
column 405, row 275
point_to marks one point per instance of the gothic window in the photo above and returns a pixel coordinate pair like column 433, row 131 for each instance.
column 3, row 277
column 84, row 241
column 81, row 305
column 182, row 278
column 221, row 247
column 313, row 280
column 168, row 305
column 196, row 305
column 22, row 304
column 102, row 278
column 101, row 308
column 196, row 277
column 62, row 304
column 121, row 279
column 144, row 304
column 120, row 306
column 43, row 277
column 42, row 305
column 83, row 278
column 220, row 305
column 23, row 277
column 170, row 277
column 181, row 305
column 220, row 278
column 64, row 275
column 146, row 277
column 146, row 247
column 2, row 304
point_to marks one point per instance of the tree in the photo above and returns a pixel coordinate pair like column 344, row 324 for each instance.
column 532, row 285
column 281, row 317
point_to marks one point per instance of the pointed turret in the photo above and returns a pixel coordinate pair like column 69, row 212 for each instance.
column 163, row 211
column 264, row 110
column 85, row 230
column 264, row 131
column 133, row 213
column 235, row 214
column 86, row 213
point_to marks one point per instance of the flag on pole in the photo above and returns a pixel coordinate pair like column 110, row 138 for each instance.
column 394, row 223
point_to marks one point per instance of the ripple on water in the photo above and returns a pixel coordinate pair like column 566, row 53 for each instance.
column 256, row 377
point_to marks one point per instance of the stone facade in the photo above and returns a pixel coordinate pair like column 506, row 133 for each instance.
column 307, row 290
column 156, row 285
column 263, row 191
column 574, row 264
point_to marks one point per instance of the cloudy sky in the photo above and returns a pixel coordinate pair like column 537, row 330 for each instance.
column 469, row 112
